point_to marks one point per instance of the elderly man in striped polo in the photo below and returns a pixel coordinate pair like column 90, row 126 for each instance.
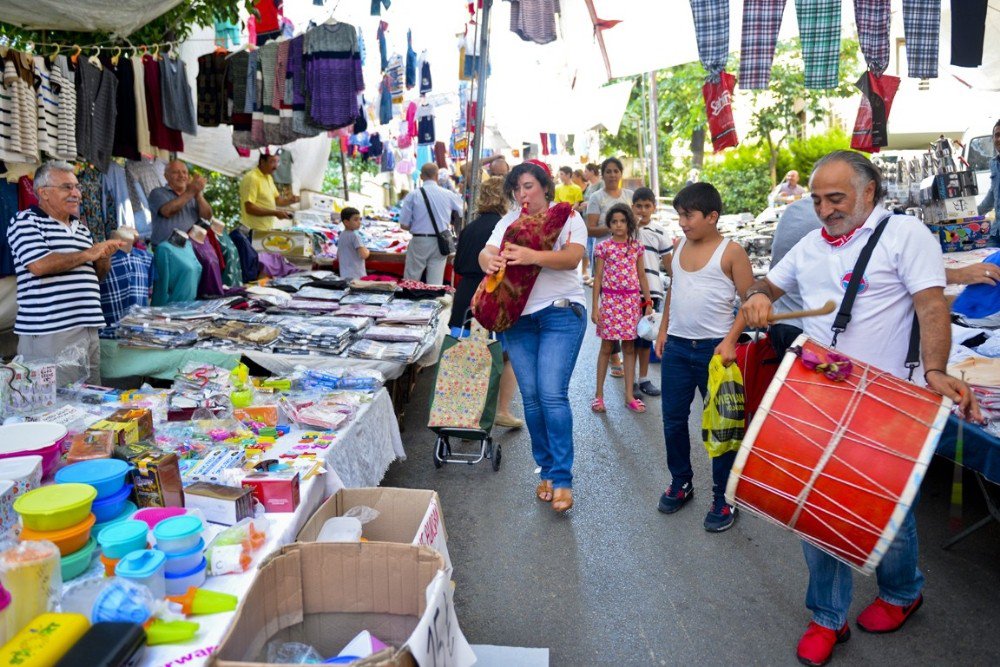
column 58, row 270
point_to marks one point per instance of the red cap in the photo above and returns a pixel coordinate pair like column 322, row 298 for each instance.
column 542, row 165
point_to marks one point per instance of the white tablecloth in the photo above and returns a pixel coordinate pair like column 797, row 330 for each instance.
column 359, row 457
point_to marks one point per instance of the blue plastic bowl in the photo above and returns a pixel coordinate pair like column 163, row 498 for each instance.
column 105, row 475
column 106, row 509
column 127, row 511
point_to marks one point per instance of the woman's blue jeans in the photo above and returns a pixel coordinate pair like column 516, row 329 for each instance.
column 543, row 348
column 830, row 580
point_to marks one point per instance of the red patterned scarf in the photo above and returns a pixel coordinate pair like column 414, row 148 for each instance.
column 497, row 309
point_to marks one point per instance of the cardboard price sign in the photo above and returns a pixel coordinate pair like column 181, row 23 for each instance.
column 431, row 533
column 438, row 641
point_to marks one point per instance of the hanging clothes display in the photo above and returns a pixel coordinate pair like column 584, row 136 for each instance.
column 126, row 139
column 271, row 117
column 922, row 28
column 211, row 86
column 283, row 174
column 397, row 78
column 711, row 26
column 116, row 185
column 226, row 32
column 21, row 143
column 761, row 22
column 64, row 79
column 210, row 282
column 97, row 207
column 8, row 209
column 968, row 28
column 382, row 53
column 441, row 155
column 161, row 136
column 145, row 145
column 26, row 197
column 534, row 20
column 295, row 89
column 47, row 103
column 268, row 21
column 281, row 101
column 425, row 75
column 411, row 62
column 377, row 6
column 425, row 125
column 384, row 102
column 236, row 85
column 178, row 272
column 97, row 112
column 129, row 283
column 819, row 29
column 333, row 75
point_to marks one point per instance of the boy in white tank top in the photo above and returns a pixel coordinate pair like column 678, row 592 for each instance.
column 707, row 270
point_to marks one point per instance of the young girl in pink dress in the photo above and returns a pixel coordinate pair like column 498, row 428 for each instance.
column 619, row 281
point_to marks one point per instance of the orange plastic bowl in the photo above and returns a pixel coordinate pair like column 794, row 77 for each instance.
column 69, row 540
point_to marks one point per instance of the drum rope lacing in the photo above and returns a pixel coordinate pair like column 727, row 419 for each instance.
column 841, row 430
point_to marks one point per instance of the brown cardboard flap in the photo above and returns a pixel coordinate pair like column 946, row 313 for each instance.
column 400, row 512
column 309, row 579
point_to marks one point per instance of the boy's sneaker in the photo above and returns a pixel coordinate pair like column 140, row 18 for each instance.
column 721, row 517
column 673, row 499
column 649, row 389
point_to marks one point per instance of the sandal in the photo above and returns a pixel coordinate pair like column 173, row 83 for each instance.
column 617, row 370
column 597, row 405
column 562, row 499
column 636, row 405
column 588, row 281
column 544, row 491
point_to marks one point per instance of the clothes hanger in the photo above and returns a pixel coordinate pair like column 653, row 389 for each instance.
column 116, row 56
column 94, row 60
column 156, row 52
column 76, row 54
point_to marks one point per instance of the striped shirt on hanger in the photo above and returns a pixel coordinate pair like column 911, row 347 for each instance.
column 58, row 302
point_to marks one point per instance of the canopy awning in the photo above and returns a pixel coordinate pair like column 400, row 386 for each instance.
column 119, row 17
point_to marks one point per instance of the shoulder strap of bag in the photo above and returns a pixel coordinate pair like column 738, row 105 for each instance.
column 430, row 212
column 844, row 314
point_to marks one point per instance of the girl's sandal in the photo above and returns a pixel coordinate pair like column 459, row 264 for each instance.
column 636, row 405
column 562, row 499
column 617, row 370
column 544, row 491
column 597, row 405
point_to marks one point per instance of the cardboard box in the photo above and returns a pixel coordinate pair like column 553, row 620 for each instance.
column 143, row 418
column 964, row 234
column 227, row 505
column 954, row 184
column 276, row 491
column 125, row 433
column 324, row 594
column 157, row 476
column 406, row 516
column 949, row 209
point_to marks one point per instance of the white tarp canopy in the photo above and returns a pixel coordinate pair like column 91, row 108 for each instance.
column 120, row 17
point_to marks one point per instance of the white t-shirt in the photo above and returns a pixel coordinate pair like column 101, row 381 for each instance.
column 906, row 260
column 551, row 284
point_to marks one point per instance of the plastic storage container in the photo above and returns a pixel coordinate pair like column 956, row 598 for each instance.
column 106, row 509
column 123, row 538
column 111, row 644
column 127, row 511
column 44, row 640
column 178, row 534
column 24, row 471
column 8, row 517
column 77, row 563
column 178, row 584
column 69, row 540
column 106, row 475
column 30, row 571
column 185, row 561
column 55, row 507
column 41, row 438
column 154, row 515
column 144, row 567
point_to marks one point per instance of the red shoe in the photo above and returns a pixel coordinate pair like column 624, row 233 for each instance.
column 880, row 616
column 816, row 645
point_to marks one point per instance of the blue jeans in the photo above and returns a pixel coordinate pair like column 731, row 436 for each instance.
column 543, row 348
column 683, row 369
column 830, row 580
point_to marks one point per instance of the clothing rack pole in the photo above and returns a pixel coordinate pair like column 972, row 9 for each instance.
column 654, row 139
column 477, row 139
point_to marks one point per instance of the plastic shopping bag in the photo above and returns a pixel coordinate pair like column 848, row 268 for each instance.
column 722, row 422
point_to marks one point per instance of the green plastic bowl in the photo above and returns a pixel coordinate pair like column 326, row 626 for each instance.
column 77, row 562
column 56, row 506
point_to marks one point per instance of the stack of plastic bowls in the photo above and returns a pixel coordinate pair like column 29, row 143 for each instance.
column 62, row 515
column 33, row 438
column 108, row 477
column 119, row 540
column 180, row 539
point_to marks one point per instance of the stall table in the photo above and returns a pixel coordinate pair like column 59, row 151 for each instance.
column 981, row 455
column 388, row 263
column 359, row 457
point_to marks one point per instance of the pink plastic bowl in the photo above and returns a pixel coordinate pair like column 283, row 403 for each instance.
column 154, row 515
column 38, row 438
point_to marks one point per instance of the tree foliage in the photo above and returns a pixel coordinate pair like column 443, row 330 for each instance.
column 174, row 25
column 781, row 112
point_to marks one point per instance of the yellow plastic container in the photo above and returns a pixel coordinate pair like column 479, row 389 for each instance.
column 55, row 507
column 44, row 641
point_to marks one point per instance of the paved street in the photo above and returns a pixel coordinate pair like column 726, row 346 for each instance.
column 616, row 582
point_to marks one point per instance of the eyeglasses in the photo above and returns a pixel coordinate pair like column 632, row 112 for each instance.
column 65, row 187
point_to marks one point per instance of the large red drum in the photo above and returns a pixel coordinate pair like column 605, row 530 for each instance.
column 838, row 462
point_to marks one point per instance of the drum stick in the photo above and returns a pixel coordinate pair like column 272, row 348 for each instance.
column 826, row 309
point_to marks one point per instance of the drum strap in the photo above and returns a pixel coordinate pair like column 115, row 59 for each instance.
column 844, row 314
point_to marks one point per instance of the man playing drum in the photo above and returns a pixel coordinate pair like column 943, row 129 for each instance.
column 905, row 277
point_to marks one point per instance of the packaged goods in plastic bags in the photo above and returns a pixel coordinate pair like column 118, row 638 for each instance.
column 719, row 108
column 722, row 422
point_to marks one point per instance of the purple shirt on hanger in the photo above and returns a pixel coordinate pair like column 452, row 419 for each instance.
column 210, row 284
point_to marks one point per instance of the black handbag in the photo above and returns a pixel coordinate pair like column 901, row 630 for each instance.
column 445, row 239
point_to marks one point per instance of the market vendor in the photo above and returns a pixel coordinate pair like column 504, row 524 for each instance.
column 992, row 200
column 259, row 198
column 788, row 190
column 179, row 204
column 423, row 210
column 58, row 270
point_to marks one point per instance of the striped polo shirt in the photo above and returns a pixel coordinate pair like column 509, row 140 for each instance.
column 53, row 303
